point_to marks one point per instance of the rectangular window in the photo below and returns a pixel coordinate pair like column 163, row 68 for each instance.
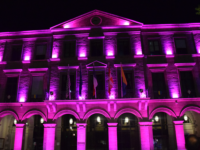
column 40, row 51
column 123, row 46
column 64, row 93
column 96, row 47
column 100, row 89
column 11, row 89
column 69, row 49
column 181, row 47
column 154, row 48
column 130, row 84
column 16, row 53
column 159, row 86
column 187, row 84
column 37, row 89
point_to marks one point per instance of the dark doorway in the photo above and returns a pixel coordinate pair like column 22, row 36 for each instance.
column 97, row 133
column 68, row 133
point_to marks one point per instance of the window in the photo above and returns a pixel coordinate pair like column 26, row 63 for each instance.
column 16, row 53
column 154, row 48
column 123, row 46
column 159, row 87
column 100, row 89
column 40, row 51
column 37, row 88
column 96, row 47
column 11, row 89
column 69, row 49
column 181, row 47
column 129, row 87
column 187, row 84
column 64, row 93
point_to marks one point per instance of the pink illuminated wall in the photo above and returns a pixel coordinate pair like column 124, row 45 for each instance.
column 180, row 138
column 167, row 43
column 136, row 44
column 24, row 81
column 112, row 136
column 197, row 42
column 146, row 135
column 82, row 46
column 28, row 48
column 109, row 45
column 49, row 136
column 2, row 47
column 56, row 48
column 18, row 136
column 81, row 136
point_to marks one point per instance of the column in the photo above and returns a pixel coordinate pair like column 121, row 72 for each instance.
column 18, row 136
column 112, row 136
column 81, row 136
column 146, row 135
column 49, row 136
column 180, row 138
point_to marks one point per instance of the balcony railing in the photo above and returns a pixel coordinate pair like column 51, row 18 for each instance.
column 64, row 97
column 159, row 94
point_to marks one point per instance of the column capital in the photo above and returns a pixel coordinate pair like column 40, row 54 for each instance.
column 178, row 122
column 112, row 124
column 49, row 125
column 19, row 125
column 81, row 124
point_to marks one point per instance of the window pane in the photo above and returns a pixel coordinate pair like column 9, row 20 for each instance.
column 69, row 49
column 154, row 47
column 180, row 43
column 40, row 51
column 123, row 46
column 11, row 89
column 37, row 86
column 16, row 53
column 96, row 47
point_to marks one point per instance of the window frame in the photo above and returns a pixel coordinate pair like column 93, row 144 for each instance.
column 75, row 51
column 35, row 50
column 12, row 45
column 186, row 44
column 90, row 50
column 129, row 49
column 159, row 46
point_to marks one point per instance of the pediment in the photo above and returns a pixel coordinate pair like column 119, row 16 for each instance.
column 97, row 18
column 96, row 64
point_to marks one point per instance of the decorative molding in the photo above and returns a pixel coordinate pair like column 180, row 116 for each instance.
column 104, row 65
column 157, row 65
column 26, row 61
column 82, row 58
column 3, row 62
column 66, row 67
column 96, row 37
column 138, row 56
column 12, row 70
column 110, row 57
column 37, row 69
column 54, row 59
column 169, row 56
column 125, row 65
column 185, row 64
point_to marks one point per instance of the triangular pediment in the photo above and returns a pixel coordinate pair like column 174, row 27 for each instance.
column 97, row 18
column 96, row 64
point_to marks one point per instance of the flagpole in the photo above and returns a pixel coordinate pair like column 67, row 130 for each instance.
column 121, row 82
column 108, row 79
column 80, row 84
column 93, row 82
column 69, row 83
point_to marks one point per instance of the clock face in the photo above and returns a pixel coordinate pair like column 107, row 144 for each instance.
column 96, row 20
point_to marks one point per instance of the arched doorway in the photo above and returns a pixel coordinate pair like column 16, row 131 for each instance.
column 97, row 133
column 163, row 132
column 68, row 133
column 128, row 132
column 7, row 132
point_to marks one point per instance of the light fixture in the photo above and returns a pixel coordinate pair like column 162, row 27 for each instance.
column 98, row 119
column 27, row 124
column 74, row 122
column 126, row 120
column 70, row 121
column 185, row 118
column 15, row 121
column 156, row 118
column 74, row 134
column 41, row 120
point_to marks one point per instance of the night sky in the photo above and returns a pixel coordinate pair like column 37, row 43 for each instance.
column 16, row 15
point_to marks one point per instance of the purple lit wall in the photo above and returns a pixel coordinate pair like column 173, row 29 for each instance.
column 110, row 45
column 167, row 42
column 82, row 46
column 49, row 136
column 112, row 136
column 18, row 136
column 28, row 48
column 145, row 135
column 136, row 46
column 197, row 42
column 56, row 48
column 180, row 138
column 81, row 136
column 2, row 47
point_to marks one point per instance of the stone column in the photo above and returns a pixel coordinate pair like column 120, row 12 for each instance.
column 112, row 136
column 81, row 136
column 18, row 136
column 180, row 138
column 146, row 135
column 49, row 136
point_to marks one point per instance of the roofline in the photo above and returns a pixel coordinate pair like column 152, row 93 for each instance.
column 93, row 11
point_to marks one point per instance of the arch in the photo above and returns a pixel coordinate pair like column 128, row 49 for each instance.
column 96, row 111
column 64, row 112
column 34, row 112
column 162, row 109
column 128, row 110
column 189, row 108
column 9, row 112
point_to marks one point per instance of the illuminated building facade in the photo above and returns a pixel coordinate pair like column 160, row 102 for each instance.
column 161, row 105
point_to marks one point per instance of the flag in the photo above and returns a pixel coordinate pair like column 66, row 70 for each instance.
column 95, row 83
column 68, row 85
column 110, row 81
column 124, row 82
column 80, row 83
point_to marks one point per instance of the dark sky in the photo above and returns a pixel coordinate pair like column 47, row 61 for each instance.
column 17, row 15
